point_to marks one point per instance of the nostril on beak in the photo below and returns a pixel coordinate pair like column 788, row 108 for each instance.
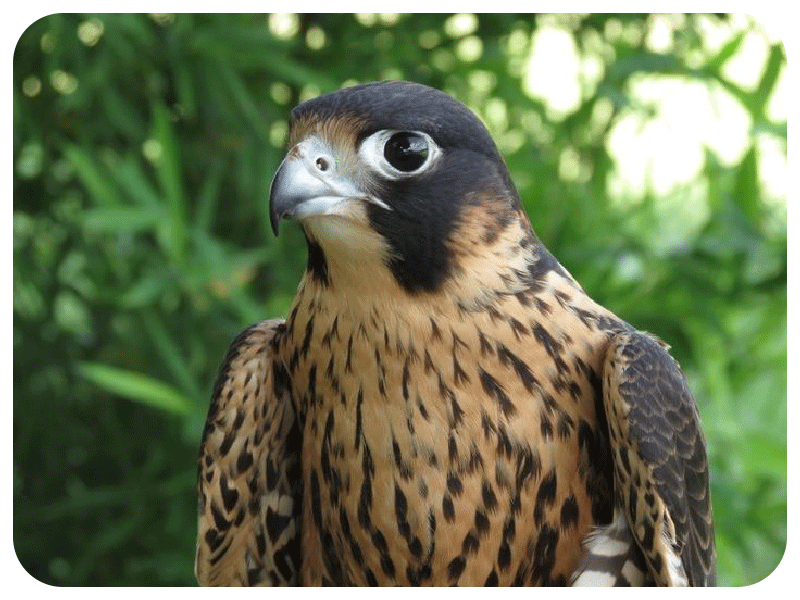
column 323, row 163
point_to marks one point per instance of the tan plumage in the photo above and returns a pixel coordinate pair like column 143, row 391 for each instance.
column 247, row 476
column 444, row 404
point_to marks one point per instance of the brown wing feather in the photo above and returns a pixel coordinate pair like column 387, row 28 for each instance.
column 661, row 469
column 248, row 478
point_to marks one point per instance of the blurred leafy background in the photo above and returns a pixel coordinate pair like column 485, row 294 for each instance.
column 144, row 147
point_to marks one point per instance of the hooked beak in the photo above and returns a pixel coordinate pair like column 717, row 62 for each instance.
column 307, row 184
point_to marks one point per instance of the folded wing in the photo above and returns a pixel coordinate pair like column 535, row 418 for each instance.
column 249, row 482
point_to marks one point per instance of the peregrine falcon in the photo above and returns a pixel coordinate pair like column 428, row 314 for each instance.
column 444, row 404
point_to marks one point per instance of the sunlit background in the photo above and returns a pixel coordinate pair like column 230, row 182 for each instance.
column 649, row 150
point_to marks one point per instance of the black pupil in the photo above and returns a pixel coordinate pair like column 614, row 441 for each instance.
column 406, row 151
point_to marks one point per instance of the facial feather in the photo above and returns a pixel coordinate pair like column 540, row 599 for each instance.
column 414, row 225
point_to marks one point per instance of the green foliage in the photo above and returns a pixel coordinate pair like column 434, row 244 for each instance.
column 144, row 148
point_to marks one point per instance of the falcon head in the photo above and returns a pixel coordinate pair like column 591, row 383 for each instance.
column 400, row 180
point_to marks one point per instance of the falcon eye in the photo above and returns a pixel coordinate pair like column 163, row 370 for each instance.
column 406, row 151
column 394, row 155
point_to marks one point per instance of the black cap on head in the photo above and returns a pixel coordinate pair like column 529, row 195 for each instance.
column 404, row 105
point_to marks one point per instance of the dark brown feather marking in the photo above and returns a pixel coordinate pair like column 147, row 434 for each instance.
column 495, row 389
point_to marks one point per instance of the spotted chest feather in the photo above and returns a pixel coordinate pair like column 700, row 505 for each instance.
column 432, row 451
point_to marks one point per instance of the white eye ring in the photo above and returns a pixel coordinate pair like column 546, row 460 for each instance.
column 371, row 151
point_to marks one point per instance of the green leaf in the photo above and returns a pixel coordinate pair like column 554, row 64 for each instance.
column 775, row 62
column 243, row 98
column 133, row 182
column 168, row 167
column 648, row 62
column 257, row 50
column 715, row 63
column 89, row 174
column 208, row 197
column 121, row 219
column 136, row 387
column 121, row 113
column 144, row 292
column 172, row 355
column 104, row 496
column 746, row 191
